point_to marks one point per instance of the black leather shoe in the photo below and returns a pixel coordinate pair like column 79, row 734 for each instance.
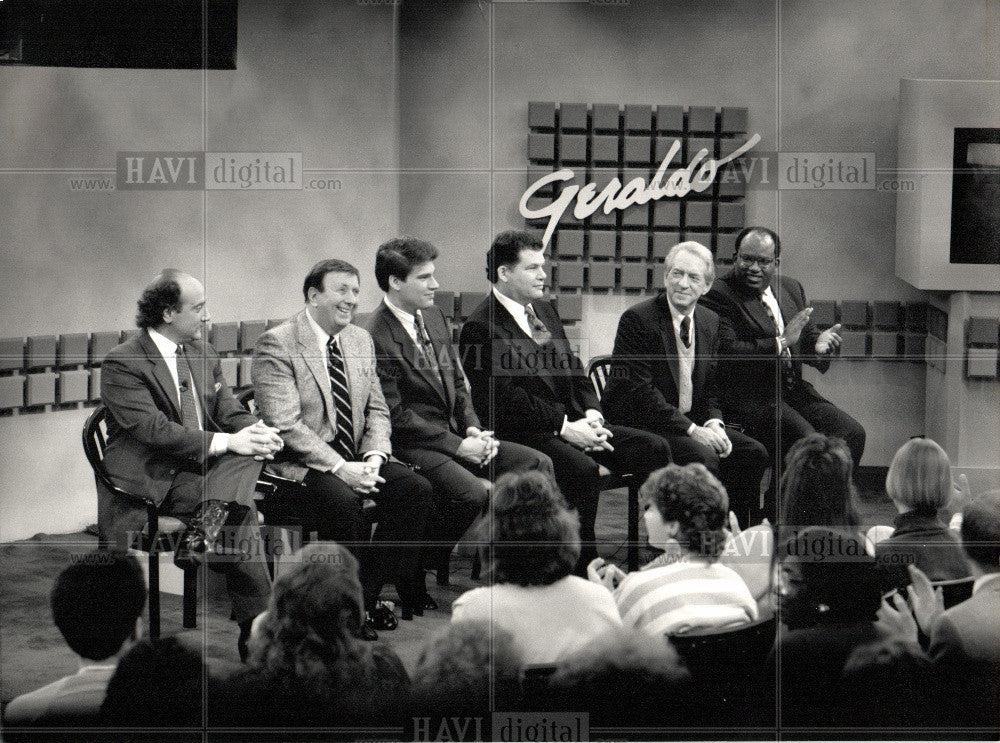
column 427, row 602
column 368, row 631
column 381, row 617
column 241, row 642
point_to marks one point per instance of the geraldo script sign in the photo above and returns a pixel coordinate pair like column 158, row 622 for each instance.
column 636, row 191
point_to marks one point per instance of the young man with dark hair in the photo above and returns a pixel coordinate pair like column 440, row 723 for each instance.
column 97, row 605
column 315, row 380
column 528, row 381
column 434, row 425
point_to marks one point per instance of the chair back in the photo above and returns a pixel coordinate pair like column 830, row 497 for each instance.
column 724, row 653
column 599, row 371
column 955, row 591
column 94, row 444
column 244, row 395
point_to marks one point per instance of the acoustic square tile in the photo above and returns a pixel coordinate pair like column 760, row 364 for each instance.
column 445, row 301
column 637, row 149
column 246, row 365
column 602, row 276
column 40, row 351
column 698, row 213
column 11, row 353
column 570, row 275
column 225, row 336
column 667, row 213
column 725, row 245
column 731, row 183
column 468, row 301
column 40, row 389
column 569, row 243
column 664, row 143
column 937, row 323
column 916, row 317
column 854, row 314
column 11, row 392
column 250, row 331
column 914, row 344
column 541, row 147
column 824, row 313
column 638, row 118
column 541, row 114
column 980, row 331
column 129, row 333
column 573, row 116
column 100, row 344
column 601, row 177
column 887, row 315
column 731, row 215
column 571, row 307
column 696, row 144
column 599, row 218
column 701, row 119
column 73, row 349
column 663, row 242
column 533, row 174
column 73, row 385
column 573, row 148
column 605, row 116
column 636, row 215
column 601, row 244
column 535, row 204
column 669, row 119
column 635, row 276
column 230, row 367
column 885, row 345
column 634, row 244
column 853, row 344
column 95, row 384
column 604, row 148
column 981, row 363
column 734, row 120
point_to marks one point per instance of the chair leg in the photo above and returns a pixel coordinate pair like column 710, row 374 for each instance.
column 443, row 568
column 477, row 566
column 154, row 594
column 190, row 620
column 632, row 550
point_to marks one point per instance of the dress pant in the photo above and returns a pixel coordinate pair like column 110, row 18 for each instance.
column 635, row 452
column 327, row 505
column 741, row 472
column 230, row 477
column 460, row 496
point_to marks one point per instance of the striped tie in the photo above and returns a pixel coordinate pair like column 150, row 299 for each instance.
column 343, row 443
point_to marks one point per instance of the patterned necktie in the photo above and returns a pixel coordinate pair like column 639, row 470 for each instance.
column 425, row 345
column 343, row 442
column 185, row 380
column 786, row 355
column 686, row 331
column 539, row 333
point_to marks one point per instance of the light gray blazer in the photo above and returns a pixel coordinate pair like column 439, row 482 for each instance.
column 292, row 392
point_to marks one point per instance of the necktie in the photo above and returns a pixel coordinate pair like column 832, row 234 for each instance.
column 343, row 442
column 539, row 333
column 686, row 331
column 786, row 355
column 185, row 381
column 426, row 347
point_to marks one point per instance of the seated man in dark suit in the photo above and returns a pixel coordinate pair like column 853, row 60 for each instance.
column 315, row 379
column 664, row 378
column 178, row 436
column 529, row 382
column 434, row 425
column 97, row 606
column 766, row 337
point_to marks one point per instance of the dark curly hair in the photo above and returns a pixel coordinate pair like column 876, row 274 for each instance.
column 161, row 295
column 535, row 538
column 818, row 487
column 694, row 498
column 506, row 249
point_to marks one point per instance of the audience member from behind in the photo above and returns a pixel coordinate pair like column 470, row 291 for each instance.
column 828, row 589
column 817, row 486
column 534, row 544
column 97, row 605
column 919, row 484
column 890, row 684
column 158, row 683
column 308, row 663
column 686, row 589
column 452, row 676
column 625, row 678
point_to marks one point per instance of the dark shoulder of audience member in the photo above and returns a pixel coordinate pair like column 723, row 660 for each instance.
column 626, row 678
column 890, row 684
column 158, row 683
column 453, row 673
column 308, row 665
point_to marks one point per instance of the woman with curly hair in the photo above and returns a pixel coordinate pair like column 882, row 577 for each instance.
column 685, row 589
column 308, row 665
column 534, row 544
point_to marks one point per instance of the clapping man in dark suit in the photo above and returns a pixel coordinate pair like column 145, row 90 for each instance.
column 434, row 425
column 177, row 435
column 766, row 337
column 664, row 380
column 530, row 383
column 315, row 380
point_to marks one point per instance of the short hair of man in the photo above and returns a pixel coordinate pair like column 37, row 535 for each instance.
column 535, row 537
column 763, row 231
column 694, row 498
column 919, row 477
column 164, row 293
column 314, row 279
column 981, row 530
column 96, row 601
column 399, row 256
column 698, row 251
column 506, row 249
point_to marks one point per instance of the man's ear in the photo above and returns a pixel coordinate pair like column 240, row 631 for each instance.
column 394, row 282
column 502, row 273
column 168, row 315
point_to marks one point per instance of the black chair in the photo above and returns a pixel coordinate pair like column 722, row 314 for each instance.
column 954, row 591
column 162, row 533
column 599, row 369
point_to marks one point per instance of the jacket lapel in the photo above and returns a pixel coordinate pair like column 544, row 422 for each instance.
column 409, row 352
column 700, row 356
column 309, row 348
column 669, row 340
column 161, row 373
column 442, row 345
column 505, row 321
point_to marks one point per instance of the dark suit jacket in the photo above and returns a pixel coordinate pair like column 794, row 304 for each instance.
column 749, row 358
column 533, row 388
column 147, row 442
column 969, row 631
column 642, row 389
column 430, row 412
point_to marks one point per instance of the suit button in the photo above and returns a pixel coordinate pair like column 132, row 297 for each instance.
column 173, row 472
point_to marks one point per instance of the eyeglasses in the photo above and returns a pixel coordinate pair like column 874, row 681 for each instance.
column 749, row 260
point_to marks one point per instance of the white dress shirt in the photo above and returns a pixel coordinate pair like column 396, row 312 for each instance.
column 771, row 301
column 685, row 385
column 408, row 321
column 168, row 350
